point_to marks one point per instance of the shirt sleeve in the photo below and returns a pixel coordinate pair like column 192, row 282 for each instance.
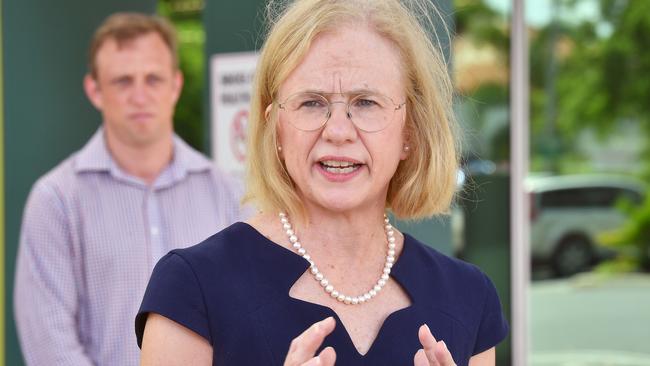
column 174, row 292
column 230, row 191
column 493, row 327
column 46, row 294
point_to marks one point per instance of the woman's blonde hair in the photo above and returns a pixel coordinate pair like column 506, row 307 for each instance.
column 424, row 183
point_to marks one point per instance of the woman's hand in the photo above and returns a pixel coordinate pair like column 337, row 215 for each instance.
column 434, row 353
column 303, row 347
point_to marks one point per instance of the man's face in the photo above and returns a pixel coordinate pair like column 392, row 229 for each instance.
column 135, row 89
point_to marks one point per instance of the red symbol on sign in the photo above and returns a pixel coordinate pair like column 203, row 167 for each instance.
column 238, row 135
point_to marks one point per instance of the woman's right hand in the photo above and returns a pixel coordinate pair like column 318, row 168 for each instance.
column 434, row 353
column 303, row 347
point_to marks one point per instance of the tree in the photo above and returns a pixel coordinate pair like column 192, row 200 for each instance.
column 186, row 17
column 604, row 81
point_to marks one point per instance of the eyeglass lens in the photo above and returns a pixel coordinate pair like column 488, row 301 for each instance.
column 310, row 111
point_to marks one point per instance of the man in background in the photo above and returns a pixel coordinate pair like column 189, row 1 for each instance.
column 94, row 226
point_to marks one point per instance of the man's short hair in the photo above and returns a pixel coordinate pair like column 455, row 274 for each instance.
column 125, row 27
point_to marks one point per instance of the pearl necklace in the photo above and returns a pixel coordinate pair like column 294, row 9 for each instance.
column 320, row 278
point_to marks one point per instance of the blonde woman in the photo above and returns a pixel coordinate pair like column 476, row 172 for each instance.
column 351, row 118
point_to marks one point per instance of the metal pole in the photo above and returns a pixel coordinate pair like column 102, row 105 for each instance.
column 519, row 200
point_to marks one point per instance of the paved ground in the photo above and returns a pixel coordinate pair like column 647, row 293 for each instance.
column 591, row 320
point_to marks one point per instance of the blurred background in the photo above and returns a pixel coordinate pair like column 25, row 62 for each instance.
column 589, row 214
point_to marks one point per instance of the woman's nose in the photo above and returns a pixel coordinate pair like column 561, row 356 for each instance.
column 339, row 127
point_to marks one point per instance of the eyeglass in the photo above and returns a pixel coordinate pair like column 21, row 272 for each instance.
column 369, row 112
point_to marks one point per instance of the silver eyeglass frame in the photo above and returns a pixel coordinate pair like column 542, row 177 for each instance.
column 281, row 105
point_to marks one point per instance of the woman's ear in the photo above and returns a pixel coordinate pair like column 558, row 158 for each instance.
column 406, row 147
column 278, row 146
column 267, row 112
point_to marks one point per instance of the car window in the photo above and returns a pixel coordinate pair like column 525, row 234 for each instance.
column 587, row 197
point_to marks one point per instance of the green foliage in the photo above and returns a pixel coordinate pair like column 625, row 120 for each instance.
column 475, row 19
column 602, row 80
column 606, row 82
column 633, row 238
column 188, row 119
column 585, row 73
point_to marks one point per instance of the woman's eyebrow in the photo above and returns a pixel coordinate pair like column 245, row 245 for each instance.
column 349, row 92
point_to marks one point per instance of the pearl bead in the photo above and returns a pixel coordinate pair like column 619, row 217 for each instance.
column 320, row 277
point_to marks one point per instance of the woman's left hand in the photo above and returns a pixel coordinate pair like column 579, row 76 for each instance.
column 433, row 353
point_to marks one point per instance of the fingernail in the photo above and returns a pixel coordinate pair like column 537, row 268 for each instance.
column 428, row 330
column 444, row 345
column 321, row 323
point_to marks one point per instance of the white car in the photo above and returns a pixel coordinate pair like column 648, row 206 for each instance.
column 569, row 212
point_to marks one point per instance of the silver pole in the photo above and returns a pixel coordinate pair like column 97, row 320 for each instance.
column 519, row 200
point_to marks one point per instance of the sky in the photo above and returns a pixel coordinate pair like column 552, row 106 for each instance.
column 538, row 12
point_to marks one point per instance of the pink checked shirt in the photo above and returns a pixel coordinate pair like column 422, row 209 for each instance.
column 90, row 237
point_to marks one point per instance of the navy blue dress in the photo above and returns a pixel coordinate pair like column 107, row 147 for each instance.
column 233, row 290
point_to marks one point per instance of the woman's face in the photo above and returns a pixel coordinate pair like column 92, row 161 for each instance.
column 340, row 167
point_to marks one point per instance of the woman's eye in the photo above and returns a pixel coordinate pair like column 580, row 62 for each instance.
column 312, row 104
column 365, row 102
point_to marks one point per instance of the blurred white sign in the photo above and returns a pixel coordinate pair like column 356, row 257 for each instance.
column 231, row 79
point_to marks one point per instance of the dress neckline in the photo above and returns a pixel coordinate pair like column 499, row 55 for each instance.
column 296, row 267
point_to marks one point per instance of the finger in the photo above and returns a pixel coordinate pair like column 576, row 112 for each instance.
column 314, row 361
column 420, row 358
column 429, row 343
column 304, row 346
column 327, row 356
column 443, row 355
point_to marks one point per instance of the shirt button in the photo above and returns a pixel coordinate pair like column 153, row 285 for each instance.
column 154, row 230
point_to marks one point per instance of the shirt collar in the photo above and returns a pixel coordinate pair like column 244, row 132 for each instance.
column 95, row 157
